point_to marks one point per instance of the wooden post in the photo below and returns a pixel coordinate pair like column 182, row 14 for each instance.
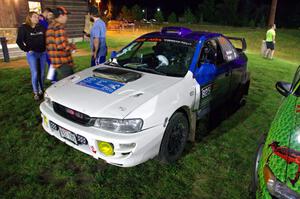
column 272, row 13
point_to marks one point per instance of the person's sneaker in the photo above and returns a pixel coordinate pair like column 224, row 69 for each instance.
column 41, row 94
column 36, row 97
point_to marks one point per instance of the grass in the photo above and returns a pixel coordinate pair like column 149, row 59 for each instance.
column 36, row 165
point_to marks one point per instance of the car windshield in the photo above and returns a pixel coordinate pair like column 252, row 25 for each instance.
column 156, row 55
column 296, row 82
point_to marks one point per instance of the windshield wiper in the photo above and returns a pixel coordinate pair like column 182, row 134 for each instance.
column 112, row 63
column 150, row 70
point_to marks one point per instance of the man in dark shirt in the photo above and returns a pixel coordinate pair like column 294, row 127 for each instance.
column 44, row 20
column 45, row 17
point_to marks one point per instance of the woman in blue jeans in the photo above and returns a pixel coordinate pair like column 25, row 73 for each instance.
column 31, row 39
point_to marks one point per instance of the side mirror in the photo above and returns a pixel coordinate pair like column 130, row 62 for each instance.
column 283, row 88
column 113, row 54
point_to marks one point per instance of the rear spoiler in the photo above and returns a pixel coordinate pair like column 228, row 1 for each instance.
column 243, row 40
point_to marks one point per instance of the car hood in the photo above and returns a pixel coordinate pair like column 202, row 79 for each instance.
column 111, row 97
column 282, row 149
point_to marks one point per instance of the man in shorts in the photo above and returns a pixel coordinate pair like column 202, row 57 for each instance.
column 270, row 42
column 97, row 38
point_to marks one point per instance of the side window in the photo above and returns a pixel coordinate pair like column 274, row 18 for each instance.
column 211, row 52
column 228, row 50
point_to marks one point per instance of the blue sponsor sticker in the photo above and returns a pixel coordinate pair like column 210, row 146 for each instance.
column 104, row 85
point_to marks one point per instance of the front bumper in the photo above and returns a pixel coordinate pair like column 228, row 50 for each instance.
column 129, row 149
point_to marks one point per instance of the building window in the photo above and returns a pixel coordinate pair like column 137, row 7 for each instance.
column 35, row 6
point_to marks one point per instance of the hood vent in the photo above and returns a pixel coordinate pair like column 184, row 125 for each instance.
column 116, row 74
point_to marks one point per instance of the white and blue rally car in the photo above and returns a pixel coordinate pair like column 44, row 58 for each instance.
column 144, row 102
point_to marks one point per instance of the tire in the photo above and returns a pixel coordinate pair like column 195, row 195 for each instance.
column 255, row 181
column 174, row 139
column 239, row 98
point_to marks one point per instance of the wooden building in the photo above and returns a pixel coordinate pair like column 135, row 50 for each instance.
column 13, row 14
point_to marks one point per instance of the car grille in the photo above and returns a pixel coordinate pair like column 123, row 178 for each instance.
column 74, row 116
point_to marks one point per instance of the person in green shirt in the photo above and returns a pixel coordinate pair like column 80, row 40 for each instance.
column 270, row 42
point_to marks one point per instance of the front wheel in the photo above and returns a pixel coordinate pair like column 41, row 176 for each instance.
column 174, row 139
column 255, row 180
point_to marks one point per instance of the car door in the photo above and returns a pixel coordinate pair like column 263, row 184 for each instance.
column 223, row 76
column 235, row 62
column 213, row 75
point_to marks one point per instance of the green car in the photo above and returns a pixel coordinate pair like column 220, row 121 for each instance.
column 277, row 162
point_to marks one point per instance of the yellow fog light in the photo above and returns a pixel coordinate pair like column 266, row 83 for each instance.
column 106, row 148
column 45, row 120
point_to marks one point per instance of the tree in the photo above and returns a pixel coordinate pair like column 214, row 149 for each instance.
column 109, row 10
column 125, row 13
column 158, row 16
column 136, row 12
column 245, row 11
column 208, row 8
column 272, row 13
column 172, row 18
column 227, row 12
column 262, row 22
column 188, row 16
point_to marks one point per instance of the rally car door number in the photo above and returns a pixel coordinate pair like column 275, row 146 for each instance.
column 205, row 91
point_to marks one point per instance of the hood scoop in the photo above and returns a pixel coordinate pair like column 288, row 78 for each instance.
column 116, row 74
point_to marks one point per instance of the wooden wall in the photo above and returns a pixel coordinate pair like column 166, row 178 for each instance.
column 12, row 13
column 78, row 9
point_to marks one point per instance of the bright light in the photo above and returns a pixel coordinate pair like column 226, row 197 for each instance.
column 158, row 9
column 143, row 10
column 98, row 1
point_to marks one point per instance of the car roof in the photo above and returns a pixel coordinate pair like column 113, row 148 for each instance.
column 180, row 33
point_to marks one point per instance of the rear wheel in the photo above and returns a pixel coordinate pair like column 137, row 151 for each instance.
column 174, row 139
column 239, row 98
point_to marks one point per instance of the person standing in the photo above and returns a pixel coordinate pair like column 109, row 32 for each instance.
column 270, row 42
column 58, row 47
column 45, row 17
column 97, row 38
column 31, row 39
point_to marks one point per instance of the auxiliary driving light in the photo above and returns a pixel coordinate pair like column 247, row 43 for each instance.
column 106, row 148
column 45, row 119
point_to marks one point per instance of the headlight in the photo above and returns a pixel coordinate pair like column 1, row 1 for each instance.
column 47, row 99
column 277, row 188
column 119, row 125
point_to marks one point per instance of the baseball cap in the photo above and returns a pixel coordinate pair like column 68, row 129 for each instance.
column 60, row 11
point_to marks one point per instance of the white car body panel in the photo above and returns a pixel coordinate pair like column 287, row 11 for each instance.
column 157, row 100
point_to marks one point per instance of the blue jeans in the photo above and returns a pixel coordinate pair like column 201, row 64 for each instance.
column 37, row 74
column 97, row 61
column 101, row 56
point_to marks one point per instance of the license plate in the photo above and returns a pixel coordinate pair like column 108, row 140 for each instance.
column 68, row 135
